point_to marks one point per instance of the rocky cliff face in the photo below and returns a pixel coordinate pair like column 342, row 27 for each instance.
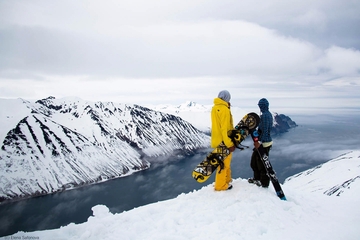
column 282, row 123
column 56, row 144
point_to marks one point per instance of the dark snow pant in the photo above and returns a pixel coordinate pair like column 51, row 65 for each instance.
column 259, row 168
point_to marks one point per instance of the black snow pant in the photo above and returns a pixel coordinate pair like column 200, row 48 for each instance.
column 258, row 167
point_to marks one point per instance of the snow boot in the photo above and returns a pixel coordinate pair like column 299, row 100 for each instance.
column 253, row 181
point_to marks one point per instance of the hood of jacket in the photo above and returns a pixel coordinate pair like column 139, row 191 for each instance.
column 219, row 101
column 263, row 105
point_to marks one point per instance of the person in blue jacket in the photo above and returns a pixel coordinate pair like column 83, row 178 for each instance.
column 266, row 122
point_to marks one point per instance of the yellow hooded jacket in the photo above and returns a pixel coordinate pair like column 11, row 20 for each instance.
column 221, row 123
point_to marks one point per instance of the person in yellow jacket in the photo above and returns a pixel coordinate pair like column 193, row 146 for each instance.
column 221, row 123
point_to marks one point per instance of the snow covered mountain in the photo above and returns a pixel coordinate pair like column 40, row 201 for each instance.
column 322, row 203
column 199, row 116
column 342, row 177
column 55, row 144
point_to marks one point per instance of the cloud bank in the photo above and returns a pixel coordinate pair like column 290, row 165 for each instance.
column 154, row 51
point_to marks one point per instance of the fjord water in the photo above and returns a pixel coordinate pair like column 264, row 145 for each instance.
column 311, row 143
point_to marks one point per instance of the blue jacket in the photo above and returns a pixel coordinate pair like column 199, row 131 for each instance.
column 266, row 122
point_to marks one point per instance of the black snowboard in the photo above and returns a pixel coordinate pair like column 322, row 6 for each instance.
column 269, row 169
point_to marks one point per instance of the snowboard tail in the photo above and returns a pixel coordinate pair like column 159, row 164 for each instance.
column 213, row 160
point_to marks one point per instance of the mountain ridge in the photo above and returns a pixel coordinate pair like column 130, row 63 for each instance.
column 345, row 172
column 52, row 145
column 57, row 144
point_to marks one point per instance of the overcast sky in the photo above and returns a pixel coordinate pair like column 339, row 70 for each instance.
column 303, row 53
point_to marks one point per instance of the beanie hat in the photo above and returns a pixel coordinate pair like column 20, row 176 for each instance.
column 224, row 95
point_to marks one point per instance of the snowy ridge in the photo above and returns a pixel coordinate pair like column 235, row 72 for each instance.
column 199, row 116
column 246, row 212
column 343, row 173
column 56, row 144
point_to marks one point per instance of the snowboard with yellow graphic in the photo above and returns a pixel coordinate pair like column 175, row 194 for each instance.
column 216, row 157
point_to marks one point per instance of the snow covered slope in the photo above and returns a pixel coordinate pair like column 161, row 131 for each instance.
column 199, row 116
column 343, row 174
column 246, row 212
column 55, row 144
